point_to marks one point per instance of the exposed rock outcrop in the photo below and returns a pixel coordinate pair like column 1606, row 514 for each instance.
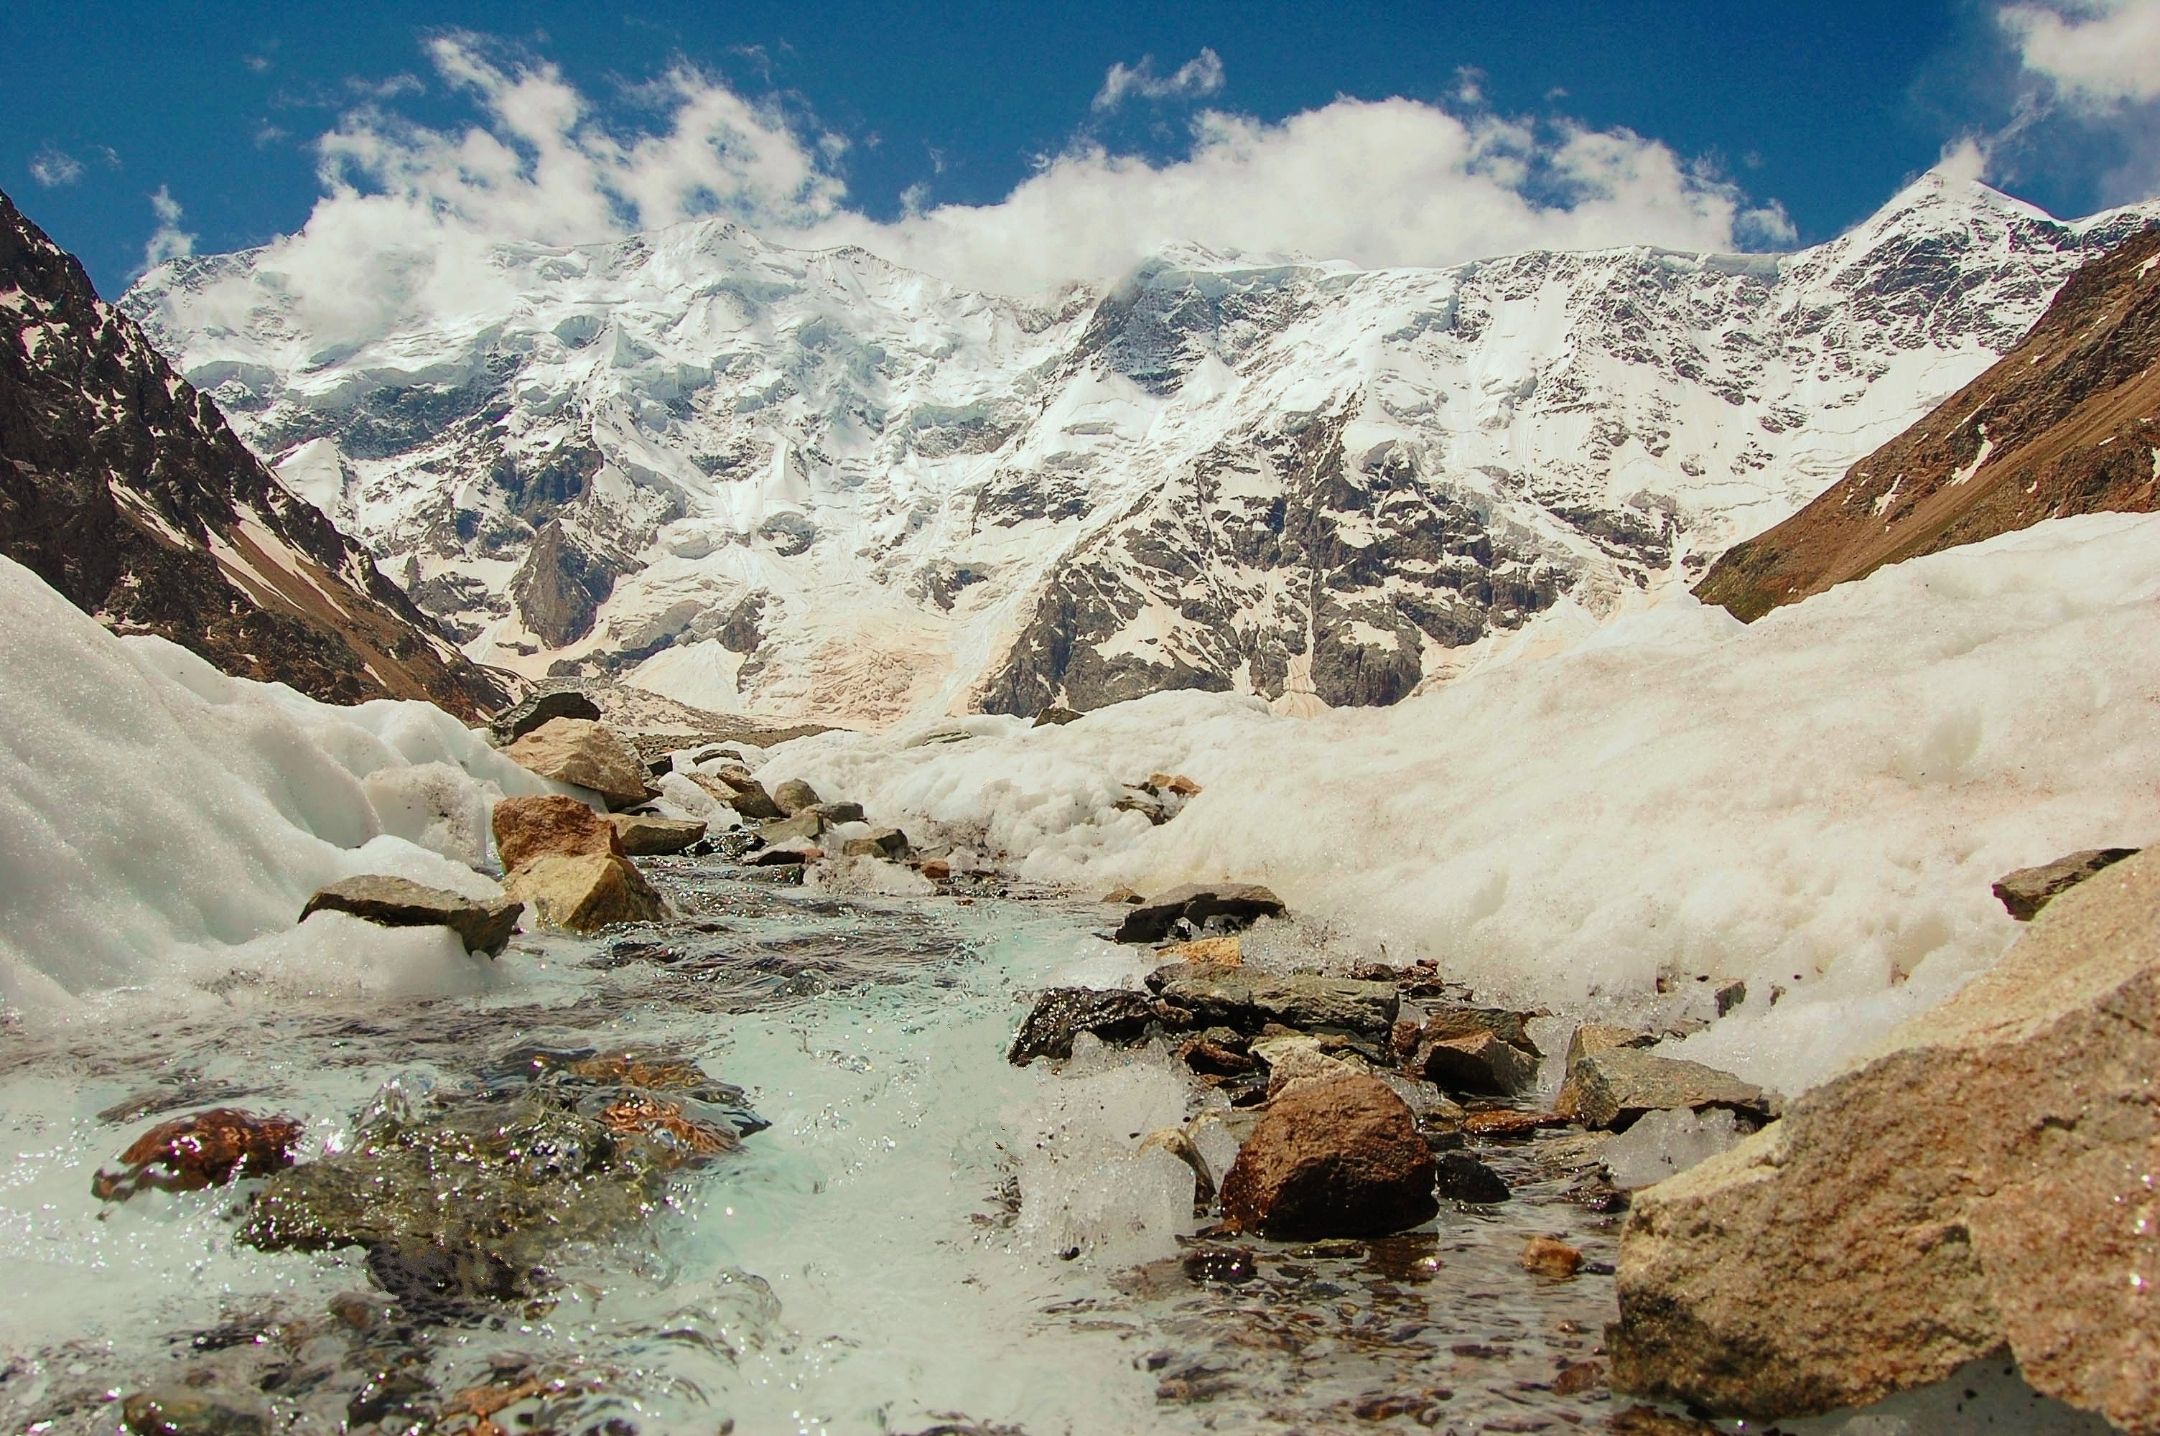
column 1985, row 1182
column 484, row 924
column 583, row 893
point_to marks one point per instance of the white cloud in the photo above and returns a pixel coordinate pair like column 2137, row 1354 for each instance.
column 1196, row 79
column 409, row 212
column 169, row 241
column 52, row 167
column 2097, row 54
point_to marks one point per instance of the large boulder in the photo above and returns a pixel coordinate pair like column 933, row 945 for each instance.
column 1332, row 1158
column 794, row 796
column 2026, row 891
column 1614, row 1087
column 525, row 828
column 1985, row 1182
column 586, row 754
column 1230, row 905
column 645, row 836
column 584, row 892
column 738, row 790
column 484, row 924
column 543, row 708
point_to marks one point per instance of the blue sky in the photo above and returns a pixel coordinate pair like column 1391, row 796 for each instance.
column 1011, row 145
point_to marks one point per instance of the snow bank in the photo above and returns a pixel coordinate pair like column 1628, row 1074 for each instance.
column 161, row 824
column 1816, row 804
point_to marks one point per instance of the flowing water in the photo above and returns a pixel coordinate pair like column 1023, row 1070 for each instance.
column 924, row 1238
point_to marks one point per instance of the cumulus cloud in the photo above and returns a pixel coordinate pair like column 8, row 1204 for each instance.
column 168, row 241
column 1196, row 79
column 53, row 167
column 410, row 213
column 2098, row 54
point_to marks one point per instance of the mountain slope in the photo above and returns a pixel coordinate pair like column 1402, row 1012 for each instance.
column 122, row 487
column 818, row 485
column 2067, row 423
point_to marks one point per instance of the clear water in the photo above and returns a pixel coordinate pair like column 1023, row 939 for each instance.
column 925, row 1237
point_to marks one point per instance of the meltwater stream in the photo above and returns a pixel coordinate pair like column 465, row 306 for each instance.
column 925, row 1238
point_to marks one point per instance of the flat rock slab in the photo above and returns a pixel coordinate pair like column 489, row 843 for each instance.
column 543, row 708
column 1612, row 1088
column 2026, row 891
column 1235, row 905
column 484, row 924
column 1337, row 1157
column 1985, row 1181
column 585, row 754
column 1063, row 1013
column 794, row 796
column 1248, row 1000
column 644, row 836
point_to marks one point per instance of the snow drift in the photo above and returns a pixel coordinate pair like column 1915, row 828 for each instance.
column 1816, row 804
column 161, row 824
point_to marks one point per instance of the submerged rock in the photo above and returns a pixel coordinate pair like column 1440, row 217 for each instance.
column 586, row 754
column 645, row 836
column 205, row 1149
column 527, row 828
column 2026, row 891
column 484, row 924
column 1614, row 1087
column 1063, row 1013
column 187, row 1413
column 543, row 708
column 1228, row 906
column 1339, row 1158
column 1986, row 1181
column 584, row 893
column 1483, row 1050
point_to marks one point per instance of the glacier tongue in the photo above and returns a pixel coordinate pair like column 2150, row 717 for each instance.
column 817, row 485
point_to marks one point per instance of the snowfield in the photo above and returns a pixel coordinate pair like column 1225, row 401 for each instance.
column 1816, row 804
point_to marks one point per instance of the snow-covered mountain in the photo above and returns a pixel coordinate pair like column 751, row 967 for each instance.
column 819, row 485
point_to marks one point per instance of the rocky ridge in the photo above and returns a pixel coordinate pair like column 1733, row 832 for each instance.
column 122, row 487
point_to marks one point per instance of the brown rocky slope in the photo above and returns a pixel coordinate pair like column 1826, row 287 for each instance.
column 122, row 487
column 2067, row 423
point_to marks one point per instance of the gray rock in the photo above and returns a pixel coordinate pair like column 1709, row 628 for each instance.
column 1594, row 1037
column 485, row 924
column 587, row 754
column 840, row 812
column 1248, row 1000
column 806, row 826
column 888, row 843
column 1063, row 1013
column 1055, row 716
column 1228, row 906
column 794, row 795
column 2026, row 891
column 646, row 836
column 541, row 708
column 1612, row 1088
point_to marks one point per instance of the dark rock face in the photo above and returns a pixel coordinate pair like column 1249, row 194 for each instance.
column 1332, row 1158
column 1228, row 906
column 540, row 708
column 560, row 586
column 1461, row 1177
column 2026, row 891
column 122, row 487
column 1063, row 1013
column 2064, row 424
column 485, row 926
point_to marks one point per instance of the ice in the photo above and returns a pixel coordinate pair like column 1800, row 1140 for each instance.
column 161, row 824
column 1815, row 804
column 1662, row 1144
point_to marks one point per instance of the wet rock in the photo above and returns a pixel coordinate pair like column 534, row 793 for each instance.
column 673, row 1136
column 1063, row 1013
column 1218, row 1052
column 1248, row 1001
column 587, row 755
column 1228, row 906
column 840, row 812
column 1481, row 1050
column 1054, row 717
column 1551, row 1258
column 1612, row 1088
column 889, row 844
column 185, row 1413
column 585, row 893
column 806, row 826
column 1332, row 1159
column 794, row 795
column 1461, row 1177
column 205, row 1149
column 1174, row 1141
column 1300, row 1058
column 1205, row 952
column 484, row 924
column 1508, row 1122
column 645, row 836
column 1224, row 1265
column 2026, row 891
column 542, row 708
column 527, row 828
column 1981, row 1183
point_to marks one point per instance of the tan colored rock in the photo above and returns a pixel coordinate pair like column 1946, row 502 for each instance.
column 1988, row 1180
column 1332, row 1159
column 1206, row 952
column 645, row 836
column 1176, row 783
column 888, row 844
column 1550, row 1257
column 1595, row 1037
column 525, row 828
column 583, row 892
column 738, row 790
column 586, row 754
column 2026, row 891
column 1175, row 1141
column 1614, row 1087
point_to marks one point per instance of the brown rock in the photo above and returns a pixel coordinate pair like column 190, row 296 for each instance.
column 484, row 925
column 205, row 1149
column 645, row 836
column 1329, row 1159
column 526, row 828
column 794, row 796
column 1483, row 1050
column 1177, row 783
column 585, row 892
column 1614, row 1087
column 1984, row 1182
column 587, row 755
column 1122, row 895
column 1504, row 1122
column 1550, row 1257
column 2026, row 891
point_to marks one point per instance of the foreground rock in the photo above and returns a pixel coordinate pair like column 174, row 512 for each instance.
column 645, row 836
column 1226, row 906
column 1614, row 1087
column 584, row 892
column 484, row 924
column 1212, row 995
column 794, row 796
column 1336, row 1158
column 541, row 708
column 1985, row 1182
column 587, row 755
column 2026, row 891
column 206, row 1149
column 526, row 828
column 1063, row 1013
column 1482, row 1050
